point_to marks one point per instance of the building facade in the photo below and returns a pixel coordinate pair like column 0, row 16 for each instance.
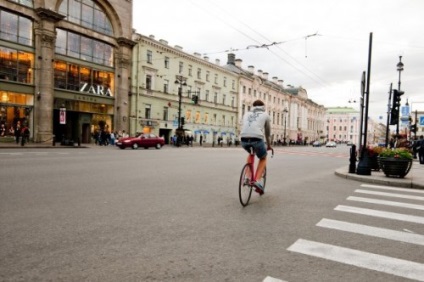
column 65, row 67
column 172, row 88
column 294, row 117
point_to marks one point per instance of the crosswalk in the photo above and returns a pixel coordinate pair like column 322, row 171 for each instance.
column 374, row 201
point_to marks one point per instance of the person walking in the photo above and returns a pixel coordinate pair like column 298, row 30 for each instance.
column 420, row 149
column 201, row 140
column 257, row 127
column 17, row 131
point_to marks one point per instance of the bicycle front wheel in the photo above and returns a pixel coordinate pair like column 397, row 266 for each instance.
column 245, row 187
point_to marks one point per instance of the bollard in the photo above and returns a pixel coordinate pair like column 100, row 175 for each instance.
column 53, row 141
column 352, row 160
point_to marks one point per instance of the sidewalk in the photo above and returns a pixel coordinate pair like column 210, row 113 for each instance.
column 45, row 145
column 414, row 179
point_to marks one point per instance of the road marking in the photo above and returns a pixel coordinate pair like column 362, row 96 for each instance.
column 372, row 231
column 382, row 214
column 394, row 266
column 392, row 188
column 272, row 279
column 394, row 195
column 387, row 203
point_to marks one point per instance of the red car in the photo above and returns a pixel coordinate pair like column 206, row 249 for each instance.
column 143, row 140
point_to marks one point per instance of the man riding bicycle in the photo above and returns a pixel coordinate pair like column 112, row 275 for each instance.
column 256, row 127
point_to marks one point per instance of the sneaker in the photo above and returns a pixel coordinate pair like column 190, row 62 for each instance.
column 259, row 188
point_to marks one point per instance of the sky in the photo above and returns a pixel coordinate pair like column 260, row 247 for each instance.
column 320, row 45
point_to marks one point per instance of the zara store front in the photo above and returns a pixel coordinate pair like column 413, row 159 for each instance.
column 64, row 70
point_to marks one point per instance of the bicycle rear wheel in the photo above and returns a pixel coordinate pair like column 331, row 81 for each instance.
column 245, row 187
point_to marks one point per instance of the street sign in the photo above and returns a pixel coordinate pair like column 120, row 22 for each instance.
column 405, row 111
column 422, row 120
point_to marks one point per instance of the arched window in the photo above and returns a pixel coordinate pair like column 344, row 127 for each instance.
column 86, row 13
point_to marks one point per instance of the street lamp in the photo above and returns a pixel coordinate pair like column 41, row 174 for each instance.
column 181, row 81
column 399, row 69
column 285, row 111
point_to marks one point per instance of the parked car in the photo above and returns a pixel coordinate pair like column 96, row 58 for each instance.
column 331, row 144
column 143, row 140
column 349, row 143
column 316, row 144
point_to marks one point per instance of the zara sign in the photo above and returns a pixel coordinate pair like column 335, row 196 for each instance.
column 96, row 90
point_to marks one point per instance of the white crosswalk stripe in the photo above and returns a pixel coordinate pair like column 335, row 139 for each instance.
column 394, row 195
column 361, row 258
column 387, row 203
column 372, row 231
column 394, row 266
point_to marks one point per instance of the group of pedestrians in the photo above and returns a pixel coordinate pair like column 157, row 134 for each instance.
column 18, row 131
column 104, row 137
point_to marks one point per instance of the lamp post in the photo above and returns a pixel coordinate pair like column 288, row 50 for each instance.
column 285, row 111
column 399, row 69
column 180, row 130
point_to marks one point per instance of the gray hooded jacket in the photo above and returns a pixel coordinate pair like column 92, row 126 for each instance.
column 256, row 124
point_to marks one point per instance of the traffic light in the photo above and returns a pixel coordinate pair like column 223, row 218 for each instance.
column 394, row 116
column 397, row 98
column 413, row 128
column 195, row 99
column 182, row 121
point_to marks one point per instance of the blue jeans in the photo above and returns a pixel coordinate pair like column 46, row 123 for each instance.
column 257, row 144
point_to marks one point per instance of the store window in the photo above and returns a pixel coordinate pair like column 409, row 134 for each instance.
column 15, row 28
column 86, row 13
column 16, row 65
column 84, row 48
column 83, row 79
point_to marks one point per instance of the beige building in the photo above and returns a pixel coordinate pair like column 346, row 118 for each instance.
column 159, row 72
column 65, row 67
column 294, row 117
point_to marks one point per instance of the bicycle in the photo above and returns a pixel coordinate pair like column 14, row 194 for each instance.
column 248, row 178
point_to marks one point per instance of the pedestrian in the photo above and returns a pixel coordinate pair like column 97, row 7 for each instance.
column 420, row 149
column 17, row 131
column 24, row 135
column 2, row 130
column 201, row 140
column 112, row 138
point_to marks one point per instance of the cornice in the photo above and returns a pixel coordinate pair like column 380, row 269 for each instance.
column 48, row 14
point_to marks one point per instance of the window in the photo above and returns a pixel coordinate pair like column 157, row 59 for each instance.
column 190, row 71
column 232, row 101
column 181, row 67
column 15, row 28
column 16, row 65
column 207, row 76
column 225, row 81
column 254, row 93
column 166, row 86
column 149, row 82
column 165, row 113
column 244, row 89
column 28, row 3
column 166, row 62
column 86, row 13
column 205, row 120
column 250, row 91
column 149, row 56
column 188, row 91
column 215, row 98
column 84, row 48
column 233, row 84
column 197, row 117
column 147, row 111
column 216, row 78
column 223, row 99
column 199, row 73
column 207, row 95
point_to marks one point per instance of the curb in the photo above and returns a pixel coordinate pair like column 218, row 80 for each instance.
column 379, row 179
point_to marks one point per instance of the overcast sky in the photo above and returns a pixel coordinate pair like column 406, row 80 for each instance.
column 328, row 65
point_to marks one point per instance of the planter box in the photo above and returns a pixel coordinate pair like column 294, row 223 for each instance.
column 395, row 167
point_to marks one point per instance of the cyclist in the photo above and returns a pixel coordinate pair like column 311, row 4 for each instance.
column 257, row 127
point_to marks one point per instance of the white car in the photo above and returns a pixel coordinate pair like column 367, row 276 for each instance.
column 331, row 144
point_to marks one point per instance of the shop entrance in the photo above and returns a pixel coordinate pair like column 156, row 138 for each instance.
column 166, row 134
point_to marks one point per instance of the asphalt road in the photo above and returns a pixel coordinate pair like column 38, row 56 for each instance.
column 105, row 214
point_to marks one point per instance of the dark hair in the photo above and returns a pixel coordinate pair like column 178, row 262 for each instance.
column 258, row 103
